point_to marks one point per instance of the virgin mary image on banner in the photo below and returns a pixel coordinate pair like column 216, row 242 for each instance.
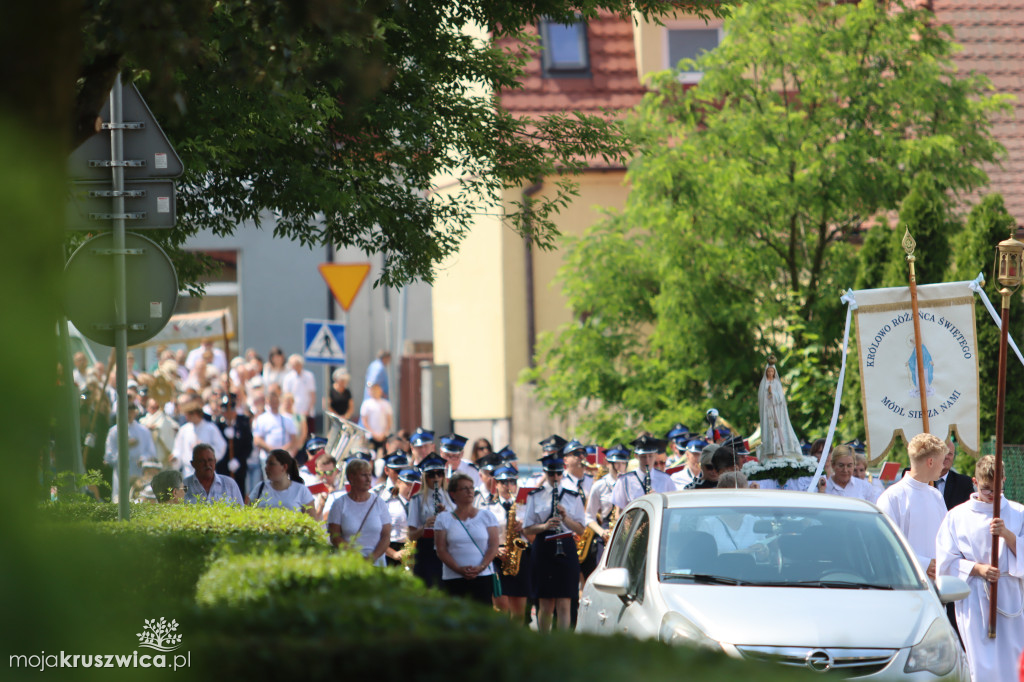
column 778, row 439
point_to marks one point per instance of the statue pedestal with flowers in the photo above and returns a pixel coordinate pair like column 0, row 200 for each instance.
column 775, row 472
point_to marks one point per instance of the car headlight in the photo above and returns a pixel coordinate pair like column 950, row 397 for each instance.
column 677, row 630
column 936, row 652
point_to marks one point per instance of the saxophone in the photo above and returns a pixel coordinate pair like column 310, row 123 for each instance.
column 583, row 543
column 514, row 545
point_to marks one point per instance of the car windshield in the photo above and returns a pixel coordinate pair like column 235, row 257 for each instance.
column 785, row 547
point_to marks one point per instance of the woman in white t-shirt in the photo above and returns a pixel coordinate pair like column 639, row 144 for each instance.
column 467, row 542
column 359, row 518
column 284, row 486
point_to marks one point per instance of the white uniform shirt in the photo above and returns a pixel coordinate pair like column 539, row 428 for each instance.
column 917, row 509
column 465, row 468
column 398, row 508
column 224, row 489
column 277, row 429
column 301, row 385
column 964, row 539
column 466, row 541
column 583, row 485
column 418, row 514
column 685, row 477
column 295, row 496
column 190, row 435
column 631, row 486
column 538, row 506
column 857, row 487
column 599, row 504
column 140, row 446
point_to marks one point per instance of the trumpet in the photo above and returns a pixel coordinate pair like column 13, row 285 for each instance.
column 514, row 545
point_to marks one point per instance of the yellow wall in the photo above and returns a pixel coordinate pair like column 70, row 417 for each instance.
column 649, row 41
column 479, row 301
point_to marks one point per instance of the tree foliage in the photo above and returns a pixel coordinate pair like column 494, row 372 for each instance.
column 974, row 252
column 340, row 119
column 811, row 120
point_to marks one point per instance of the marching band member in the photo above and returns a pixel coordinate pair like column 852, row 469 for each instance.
column 514, row 588
column 393, row 464
column 508, row 457
column 678, row 436
column 574, row 454
column 553, row 513
column 398, row 507
column 452, row 446
column 690, row 475
column 551, row 447
column 599, row 509
column 423, row 511
column 487, row 491
column 645, row 479
column 421, row 442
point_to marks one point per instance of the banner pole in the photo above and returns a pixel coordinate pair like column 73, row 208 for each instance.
column 909, row 245
column 997, row 484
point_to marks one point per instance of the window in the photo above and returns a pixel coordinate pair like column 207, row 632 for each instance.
column 690, row 43
column 629, row 549
column 564, row 49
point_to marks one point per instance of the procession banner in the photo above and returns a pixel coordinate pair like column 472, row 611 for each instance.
column 888, row 364
column 209, row 324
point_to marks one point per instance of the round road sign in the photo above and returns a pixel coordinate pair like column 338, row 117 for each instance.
column 151, row 291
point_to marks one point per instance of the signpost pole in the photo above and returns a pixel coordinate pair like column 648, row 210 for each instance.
column 120, row 297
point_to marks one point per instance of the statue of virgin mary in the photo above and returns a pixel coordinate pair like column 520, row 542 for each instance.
column 778, row 439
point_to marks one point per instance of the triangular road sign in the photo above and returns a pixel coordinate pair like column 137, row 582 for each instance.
column 144, row 141
column 344, row 280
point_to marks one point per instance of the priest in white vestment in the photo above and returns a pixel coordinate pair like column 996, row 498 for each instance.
column 913, row 504
column 964, row 549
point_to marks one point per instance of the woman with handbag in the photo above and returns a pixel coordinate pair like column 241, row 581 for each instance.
column 359, row 518
column 467, row 542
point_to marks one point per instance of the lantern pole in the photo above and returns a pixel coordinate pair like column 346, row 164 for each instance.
column 909, row 245
column 1008, row 272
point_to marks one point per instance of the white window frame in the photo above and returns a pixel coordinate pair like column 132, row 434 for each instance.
column 691, row 77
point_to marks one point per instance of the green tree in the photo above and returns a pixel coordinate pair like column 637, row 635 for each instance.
column 811, row 119
column 974, row 252
column 338, row 118
column 926, row 213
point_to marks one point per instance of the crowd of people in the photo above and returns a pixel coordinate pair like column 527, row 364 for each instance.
column 469, row 523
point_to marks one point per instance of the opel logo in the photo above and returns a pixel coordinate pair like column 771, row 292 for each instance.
column 819, row 661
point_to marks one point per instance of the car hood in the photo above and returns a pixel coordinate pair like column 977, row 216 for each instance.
column 813, row 617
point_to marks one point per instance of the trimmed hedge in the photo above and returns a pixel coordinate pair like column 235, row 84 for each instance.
column 330, row 616
column 258, row 594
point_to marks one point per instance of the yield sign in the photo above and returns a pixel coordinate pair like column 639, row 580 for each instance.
column 344, row 280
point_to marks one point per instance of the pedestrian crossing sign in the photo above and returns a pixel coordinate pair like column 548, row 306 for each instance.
column 324, row 342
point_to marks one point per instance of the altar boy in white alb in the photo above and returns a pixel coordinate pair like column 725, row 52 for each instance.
column 964, row 548
column 913, row 504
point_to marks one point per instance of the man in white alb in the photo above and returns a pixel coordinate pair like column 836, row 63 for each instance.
column 913, row 504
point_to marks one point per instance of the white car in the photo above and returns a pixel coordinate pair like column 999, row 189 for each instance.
column 802, row 579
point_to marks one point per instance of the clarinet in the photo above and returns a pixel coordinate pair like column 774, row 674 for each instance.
column 647, row 480
column 559, row 549
column 438, row 504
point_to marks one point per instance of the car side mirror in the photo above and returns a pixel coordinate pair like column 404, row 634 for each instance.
column 613, row 581
column 951, row 588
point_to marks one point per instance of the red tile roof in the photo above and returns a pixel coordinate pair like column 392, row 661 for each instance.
column 613, row 82
column 990, row 33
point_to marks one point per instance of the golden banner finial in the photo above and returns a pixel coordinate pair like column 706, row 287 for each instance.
column 909, row 244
